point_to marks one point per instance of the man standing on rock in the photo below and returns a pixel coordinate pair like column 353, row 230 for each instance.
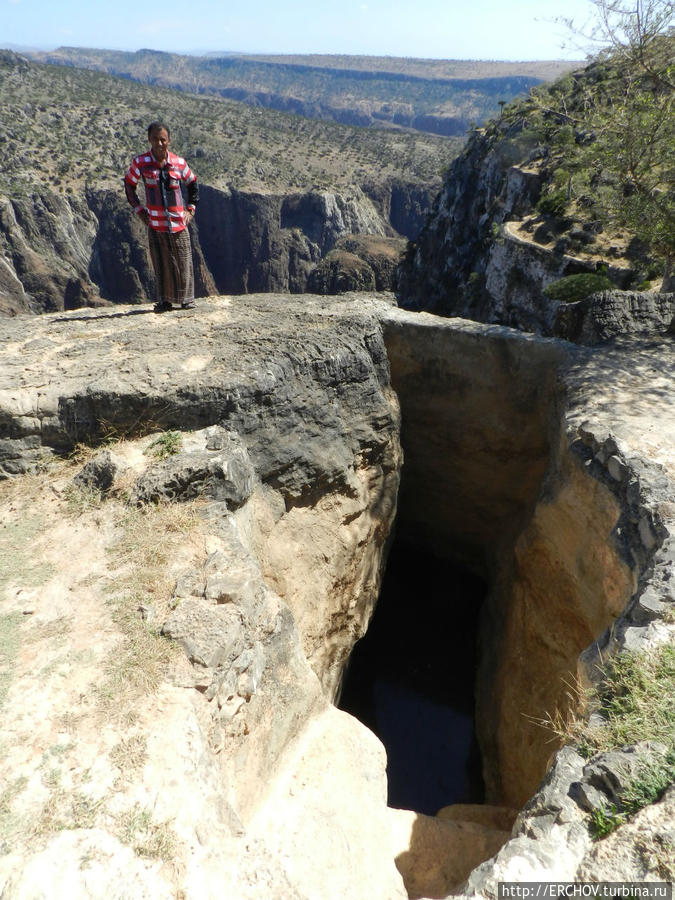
column 162, row 173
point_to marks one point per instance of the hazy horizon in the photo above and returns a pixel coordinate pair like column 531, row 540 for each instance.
column 524, row 31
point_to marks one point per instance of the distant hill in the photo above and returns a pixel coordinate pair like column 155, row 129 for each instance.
column 66, row 127
column 435, row 96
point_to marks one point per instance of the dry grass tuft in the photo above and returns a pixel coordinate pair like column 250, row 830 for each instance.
column 149, row 539
column 154, row 840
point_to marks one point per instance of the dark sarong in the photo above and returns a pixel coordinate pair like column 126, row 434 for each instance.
column 171, row 256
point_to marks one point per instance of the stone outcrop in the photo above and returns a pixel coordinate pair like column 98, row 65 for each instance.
column 45, row 248
column 609, row 314
column 358, row 263
column 521, row 459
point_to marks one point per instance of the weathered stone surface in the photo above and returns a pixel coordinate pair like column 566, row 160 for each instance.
column 222, row 471
column 273, row 593
column 98, row 474
column 237, row 362
column 358, row 263
column 310, row 821
column 641, row 850
column 434, row 856
column 607, row 775
column 111, row 870
column 610, row 313
column 339, row 272
column 550, row 837
column 577, row 540
column 501, row 818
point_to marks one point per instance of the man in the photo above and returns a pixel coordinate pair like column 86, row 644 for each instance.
column 162, row 173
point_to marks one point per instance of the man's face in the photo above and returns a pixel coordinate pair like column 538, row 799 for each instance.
column 159, row 141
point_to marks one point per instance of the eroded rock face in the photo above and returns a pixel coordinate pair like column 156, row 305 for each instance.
column 567, row 519
column 290, row 512
column 609, row 314
column 70, row 251
column 481, row 257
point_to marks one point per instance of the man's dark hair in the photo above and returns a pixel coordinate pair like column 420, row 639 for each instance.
column 157, row 126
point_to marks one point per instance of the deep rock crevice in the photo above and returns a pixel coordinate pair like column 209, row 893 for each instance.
column 292, row 424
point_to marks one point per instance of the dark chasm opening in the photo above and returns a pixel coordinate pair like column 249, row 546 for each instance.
column 410, row 679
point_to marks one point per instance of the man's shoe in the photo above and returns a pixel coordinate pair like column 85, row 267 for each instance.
column 188, row 304
column 162, row 306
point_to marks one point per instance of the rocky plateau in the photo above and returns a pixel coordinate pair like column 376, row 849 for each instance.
column 176, row 735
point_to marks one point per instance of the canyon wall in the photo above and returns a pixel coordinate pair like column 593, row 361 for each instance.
column 64, row 251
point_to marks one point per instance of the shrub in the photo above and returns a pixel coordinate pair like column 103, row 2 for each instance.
column 576, row 287
column 553, row 204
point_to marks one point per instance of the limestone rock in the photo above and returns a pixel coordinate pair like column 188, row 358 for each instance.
column 641, row 850
column 358, row 263
column 607, row 775
column 87, row 863
column 339, row 272
column 435, row 856
column 98, row 474
column 310, row 820
column 603, row 316
column 222, row 471
column 501, row 818
column 239, row 750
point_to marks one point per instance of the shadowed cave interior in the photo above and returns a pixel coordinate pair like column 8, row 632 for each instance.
column 411, row 678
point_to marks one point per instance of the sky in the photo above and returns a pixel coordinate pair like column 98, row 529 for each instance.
column 435, row 29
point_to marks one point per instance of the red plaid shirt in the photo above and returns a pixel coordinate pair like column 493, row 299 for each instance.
column 163, row 197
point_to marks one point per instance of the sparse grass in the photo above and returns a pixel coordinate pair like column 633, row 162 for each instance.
column 149, row 538
column 10, row 642
column 8, row 821
column 635, row 699
column 636, row 696
column 167, row 444
column 154, row 840
column 17, row 551
column 130, row 755
column 648, row 784
column 81, row 499
column 65, row 810
column 653, row 778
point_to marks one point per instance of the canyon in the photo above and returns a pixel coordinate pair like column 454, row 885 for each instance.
column 302, row 434
column 66, row 252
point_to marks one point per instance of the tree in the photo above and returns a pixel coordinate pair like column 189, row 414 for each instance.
column 629, row 118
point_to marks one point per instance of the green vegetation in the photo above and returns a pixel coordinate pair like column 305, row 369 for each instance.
column 648, row 784
column 64, row 127
column 636, row 698
column 603, row 139
column 604, row 822
column 165, row 445
column 635, row 702
column 154, row 840
column 577, row 287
